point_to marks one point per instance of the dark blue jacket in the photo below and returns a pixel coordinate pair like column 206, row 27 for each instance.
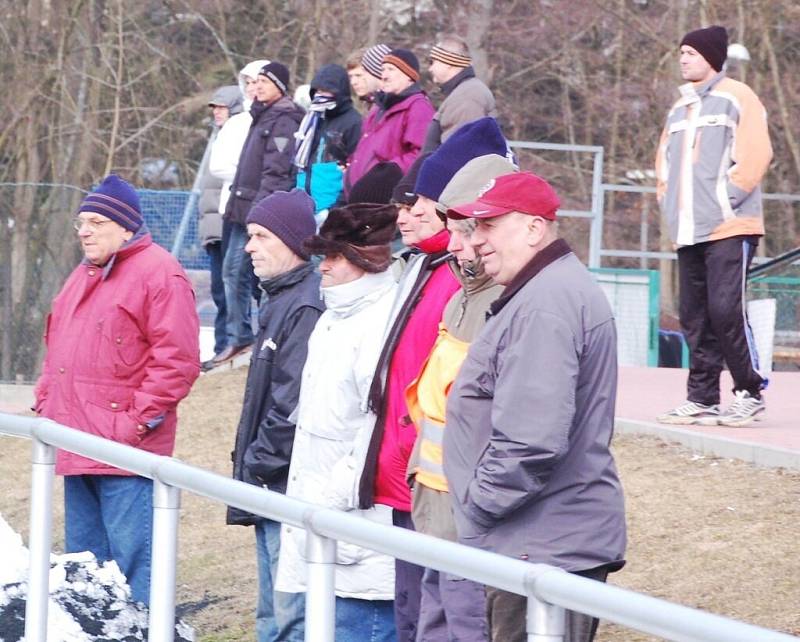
column 265, row 434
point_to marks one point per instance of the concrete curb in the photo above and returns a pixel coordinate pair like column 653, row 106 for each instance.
column 757, row 454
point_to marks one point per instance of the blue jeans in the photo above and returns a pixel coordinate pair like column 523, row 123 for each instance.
column 280, row 617
column 364, row 620
column 215, row 255
column 237, row 275
column 112, row 517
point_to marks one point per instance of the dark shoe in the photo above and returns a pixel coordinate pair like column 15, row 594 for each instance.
column 226, row 355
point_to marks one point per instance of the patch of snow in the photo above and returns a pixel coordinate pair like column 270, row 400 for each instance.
column 89, row 600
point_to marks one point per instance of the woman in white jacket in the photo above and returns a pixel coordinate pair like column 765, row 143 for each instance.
column 334, row 424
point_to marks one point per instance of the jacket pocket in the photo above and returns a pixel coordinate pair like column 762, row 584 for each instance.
column 127, row 343
column 107, row 413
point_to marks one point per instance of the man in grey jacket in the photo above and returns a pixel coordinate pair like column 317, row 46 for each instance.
column 467, row 98
column 530, row 415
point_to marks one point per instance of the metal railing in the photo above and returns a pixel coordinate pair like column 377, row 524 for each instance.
column 550, row 591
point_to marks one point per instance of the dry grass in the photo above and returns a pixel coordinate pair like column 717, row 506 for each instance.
column 711, row 533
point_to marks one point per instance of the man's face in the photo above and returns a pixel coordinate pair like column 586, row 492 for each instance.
column 506, row 244
column 441, row 72
column 419, row 222
column 358, row 81
column 221, row 114
column 337, row 270
column 100, row 237
column 460, row 245
column 694, row 67
column 393, row 81
column 250, row 88
column 271, row 256
column 266, row 90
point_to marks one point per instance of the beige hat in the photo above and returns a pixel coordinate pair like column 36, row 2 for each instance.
column 468, row 181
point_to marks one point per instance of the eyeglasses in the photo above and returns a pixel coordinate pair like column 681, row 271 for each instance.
column 94, row 224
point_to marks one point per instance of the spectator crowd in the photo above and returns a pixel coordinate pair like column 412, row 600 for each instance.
column 446, row 364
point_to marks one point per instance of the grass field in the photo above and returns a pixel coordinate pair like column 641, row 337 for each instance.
column 711, row 533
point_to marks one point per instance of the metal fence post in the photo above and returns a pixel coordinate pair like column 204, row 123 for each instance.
column 545, row 622
column 320, row 596
column 598, row 206
column 39, row 540
column 164, row 555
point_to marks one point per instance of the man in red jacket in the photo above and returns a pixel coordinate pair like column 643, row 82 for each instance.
column 122, row 351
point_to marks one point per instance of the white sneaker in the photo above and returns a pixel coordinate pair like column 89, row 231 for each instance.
column 690, row 413
column 743, row 411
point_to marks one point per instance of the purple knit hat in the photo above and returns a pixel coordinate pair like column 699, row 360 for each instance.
column 289, row 216
column 116, row 199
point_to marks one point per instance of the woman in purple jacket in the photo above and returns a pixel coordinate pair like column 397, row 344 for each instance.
column 394, row 129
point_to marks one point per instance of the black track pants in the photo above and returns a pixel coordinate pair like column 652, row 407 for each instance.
column 713, row 318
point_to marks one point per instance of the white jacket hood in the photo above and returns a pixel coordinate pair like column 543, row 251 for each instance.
column 250, row 70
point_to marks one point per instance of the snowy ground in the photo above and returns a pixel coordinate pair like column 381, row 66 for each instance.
column 89, row 601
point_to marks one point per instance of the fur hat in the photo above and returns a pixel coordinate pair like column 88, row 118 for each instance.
column 116, row 199
column 361, row 232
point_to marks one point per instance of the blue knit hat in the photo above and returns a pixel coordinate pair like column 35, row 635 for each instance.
column 289, row 216
column 473, row 139
column 115, row 199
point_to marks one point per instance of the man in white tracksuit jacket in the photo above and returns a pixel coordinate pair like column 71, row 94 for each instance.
column 334, row 424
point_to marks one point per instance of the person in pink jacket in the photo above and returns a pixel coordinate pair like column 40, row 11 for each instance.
column 122, row 351
column 395, row 128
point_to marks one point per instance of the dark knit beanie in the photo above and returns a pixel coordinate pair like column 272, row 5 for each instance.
column 115, row 199
column 376, row 185
column 289, row 216
column 278, row 74
column 477, row 138
column 404, row 193
column 405, row 61
column 711, row 43
column 361, row 232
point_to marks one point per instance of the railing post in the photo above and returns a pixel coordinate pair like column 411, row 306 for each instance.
column 320, row 596
column 164, row 555
column 39, row 540
column 598, row 206
column 545, row 622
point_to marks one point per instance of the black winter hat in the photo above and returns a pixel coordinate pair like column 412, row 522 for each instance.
column 404, row 193
column 361, row 232
column 405, row 61
column 376, row 185
column 711, row 43
column 289, row 216
column 278, row 74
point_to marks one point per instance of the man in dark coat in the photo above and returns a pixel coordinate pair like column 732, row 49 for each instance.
column 277, row 227
column 327, row 136
column 265, row 166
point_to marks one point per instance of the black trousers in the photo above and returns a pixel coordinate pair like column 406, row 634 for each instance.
column 713, row 318
column 506, row 614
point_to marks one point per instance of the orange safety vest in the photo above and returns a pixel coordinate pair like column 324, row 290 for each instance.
column 426, row 398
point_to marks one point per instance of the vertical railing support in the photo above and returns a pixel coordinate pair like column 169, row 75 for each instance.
column 320, row 595
column 545, row 622
column 598, row 207
column 39, row 540
column 164, row 556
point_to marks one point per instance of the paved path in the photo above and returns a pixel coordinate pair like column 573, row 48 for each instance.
column 775, row 440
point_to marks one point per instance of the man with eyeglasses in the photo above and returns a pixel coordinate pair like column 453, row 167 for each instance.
column 122, row 351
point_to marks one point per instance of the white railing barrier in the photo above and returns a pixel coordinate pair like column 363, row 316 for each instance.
column 549, row 590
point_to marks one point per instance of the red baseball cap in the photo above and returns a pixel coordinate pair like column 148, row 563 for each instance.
column 523, row 192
